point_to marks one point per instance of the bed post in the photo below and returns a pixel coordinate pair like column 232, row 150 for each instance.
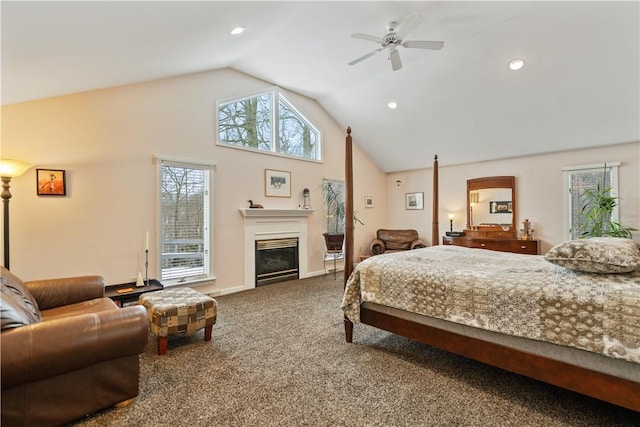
column 435, row 234
column 348, row 223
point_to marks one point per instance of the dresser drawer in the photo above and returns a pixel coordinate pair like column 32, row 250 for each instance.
column 494, row 245
column 529, row 247
column 446, row 240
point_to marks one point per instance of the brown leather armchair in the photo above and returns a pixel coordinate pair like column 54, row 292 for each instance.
column 66, row 350
column 395, row 240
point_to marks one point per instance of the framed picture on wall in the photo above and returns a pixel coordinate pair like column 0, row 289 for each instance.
column 368, row 202
column 277, row 183
column 51, row 182
column 414, row 201
column 500, row 207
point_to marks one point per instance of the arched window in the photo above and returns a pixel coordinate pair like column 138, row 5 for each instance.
column 252, row 122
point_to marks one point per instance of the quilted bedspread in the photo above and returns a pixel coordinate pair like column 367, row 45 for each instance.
column 521, row 295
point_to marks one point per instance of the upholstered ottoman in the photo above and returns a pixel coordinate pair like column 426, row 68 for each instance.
column 179, row 312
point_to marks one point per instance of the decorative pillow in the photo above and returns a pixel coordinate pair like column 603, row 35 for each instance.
column 18, row 306
column 596, row 255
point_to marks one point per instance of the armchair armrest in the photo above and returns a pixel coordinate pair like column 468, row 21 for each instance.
column 52, row 293
column 47, row 349
column 377, row 247
column 417, row 244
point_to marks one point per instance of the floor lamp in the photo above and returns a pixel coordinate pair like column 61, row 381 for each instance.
column 9, row 169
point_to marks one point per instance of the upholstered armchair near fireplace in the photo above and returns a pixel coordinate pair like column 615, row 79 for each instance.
column 66, row 350
column 387, row 241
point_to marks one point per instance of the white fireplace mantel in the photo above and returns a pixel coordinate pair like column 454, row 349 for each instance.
column 249, row 212
column 263, row 224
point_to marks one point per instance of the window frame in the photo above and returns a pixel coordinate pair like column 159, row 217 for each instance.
column 209, row 167
column 331, row 256
column 568, row 171
column 339, row 183
column 276, row 95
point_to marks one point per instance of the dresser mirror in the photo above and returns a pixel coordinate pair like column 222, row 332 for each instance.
column 491, row 204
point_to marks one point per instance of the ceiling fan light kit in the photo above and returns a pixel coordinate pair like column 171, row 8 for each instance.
column 395, row 39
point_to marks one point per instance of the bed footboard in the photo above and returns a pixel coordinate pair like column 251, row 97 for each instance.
column 608, row 388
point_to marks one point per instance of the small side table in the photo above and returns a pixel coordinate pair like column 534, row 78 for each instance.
column 128, row 292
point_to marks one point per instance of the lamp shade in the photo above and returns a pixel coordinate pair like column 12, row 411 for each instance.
column 13, row 168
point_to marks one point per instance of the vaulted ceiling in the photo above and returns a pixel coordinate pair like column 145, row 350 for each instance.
column 579, row 86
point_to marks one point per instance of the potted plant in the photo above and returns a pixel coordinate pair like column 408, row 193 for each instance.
column 335, row 206
column 595, row 218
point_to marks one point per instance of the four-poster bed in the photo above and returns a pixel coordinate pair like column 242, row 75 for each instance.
column 603, row 376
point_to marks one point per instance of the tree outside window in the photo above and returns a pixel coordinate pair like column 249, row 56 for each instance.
column 247, row 123
column 184, row 222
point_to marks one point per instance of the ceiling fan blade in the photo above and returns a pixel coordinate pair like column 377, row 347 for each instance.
column 409, row 25
column 366, row 37
column 396, row 63
column 423, row 44
column 362, row 58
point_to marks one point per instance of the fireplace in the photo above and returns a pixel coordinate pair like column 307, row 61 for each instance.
column 273, row 224
column 276, row 260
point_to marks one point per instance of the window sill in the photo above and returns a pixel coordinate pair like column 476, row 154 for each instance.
column 189, row 282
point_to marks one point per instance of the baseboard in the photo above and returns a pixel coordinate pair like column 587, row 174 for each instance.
column 233, row 289
column 224, row 291
column 313, row 274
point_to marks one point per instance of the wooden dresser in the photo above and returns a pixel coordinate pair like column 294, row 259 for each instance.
column 478, row 239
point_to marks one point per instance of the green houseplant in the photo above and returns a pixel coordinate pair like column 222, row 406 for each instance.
column 333, row 200
column 595, row 217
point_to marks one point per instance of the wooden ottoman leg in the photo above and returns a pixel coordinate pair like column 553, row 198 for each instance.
column 162, row 345
column 207, row 332
column 125, row 403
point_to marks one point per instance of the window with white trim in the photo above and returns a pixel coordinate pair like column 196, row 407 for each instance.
column 185, row 221
column 335, row 225
column 579, row 178
column 254, row 121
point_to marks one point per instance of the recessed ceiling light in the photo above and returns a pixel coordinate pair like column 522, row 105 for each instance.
column 237, row 30
column 392, row 104
column 516, row 64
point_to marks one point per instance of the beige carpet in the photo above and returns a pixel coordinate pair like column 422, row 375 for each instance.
column 278, row 358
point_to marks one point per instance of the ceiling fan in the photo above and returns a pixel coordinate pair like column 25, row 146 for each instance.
column 394, row 39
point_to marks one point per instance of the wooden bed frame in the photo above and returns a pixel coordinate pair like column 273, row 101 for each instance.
column 609, row 388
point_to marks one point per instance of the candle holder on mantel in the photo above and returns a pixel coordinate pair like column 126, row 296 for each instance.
column 526, row 231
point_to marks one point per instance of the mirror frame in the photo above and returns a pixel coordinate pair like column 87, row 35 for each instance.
column 493, row 182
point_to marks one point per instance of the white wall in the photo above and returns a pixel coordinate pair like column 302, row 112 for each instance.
column 539, row 190
column 105, row 140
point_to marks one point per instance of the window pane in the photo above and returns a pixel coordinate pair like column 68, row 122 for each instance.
column 580, row 181
column 297, row 137
column 184, row 219
column 251, row 123
column 246, row 123
column 335, row 225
